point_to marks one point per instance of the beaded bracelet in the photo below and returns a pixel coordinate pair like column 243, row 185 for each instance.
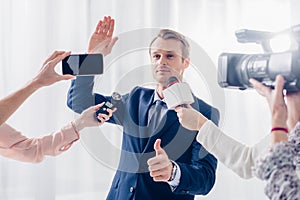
column 280, row 129
column 75, row 129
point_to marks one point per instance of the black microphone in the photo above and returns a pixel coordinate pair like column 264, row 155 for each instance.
column 172, row 80
column 115, row 98
column 177, row 93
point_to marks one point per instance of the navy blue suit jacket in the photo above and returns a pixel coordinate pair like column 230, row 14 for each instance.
column 132, row 179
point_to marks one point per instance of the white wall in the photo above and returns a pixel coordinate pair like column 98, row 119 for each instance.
column 32, row 29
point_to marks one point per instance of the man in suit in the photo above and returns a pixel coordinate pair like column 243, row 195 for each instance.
column 159, row 160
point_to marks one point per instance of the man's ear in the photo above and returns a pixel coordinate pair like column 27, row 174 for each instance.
column 186, row 63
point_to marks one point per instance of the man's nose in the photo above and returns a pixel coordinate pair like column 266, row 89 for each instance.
column 163, row 60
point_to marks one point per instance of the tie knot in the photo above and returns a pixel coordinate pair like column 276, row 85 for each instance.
column 156, row 113
column 159, row 103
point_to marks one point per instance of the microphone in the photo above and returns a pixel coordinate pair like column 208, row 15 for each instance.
column 115, row 99
column 172, row 80
column 177, row 93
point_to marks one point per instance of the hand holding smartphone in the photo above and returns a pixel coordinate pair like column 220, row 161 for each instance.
column 83, row 64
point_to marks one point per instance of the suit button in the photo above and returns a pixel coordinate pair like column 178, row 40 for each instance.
column 131, row 189
column 185, row 191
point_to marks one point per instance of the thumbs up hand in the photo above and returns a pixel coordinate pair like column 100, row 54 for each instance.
column 160, row 166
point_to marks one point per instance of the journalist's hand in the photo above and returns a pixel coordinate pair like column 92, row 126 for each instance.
column 47, row 75
column 190, row 118
column 87, row 119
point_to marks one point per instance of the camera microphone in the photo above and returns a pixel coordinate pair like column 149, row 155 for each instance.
column 177, row 93
column 248, row 36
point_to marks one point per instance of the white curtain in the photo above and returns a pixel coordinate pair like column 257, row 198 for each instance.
column 32, row 29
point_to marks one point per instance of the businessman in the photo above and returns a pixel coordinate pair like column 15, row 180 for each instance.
column 160, row 159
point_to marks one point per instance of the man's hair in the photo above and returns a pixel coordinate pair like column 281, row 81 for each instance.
column 170, row 34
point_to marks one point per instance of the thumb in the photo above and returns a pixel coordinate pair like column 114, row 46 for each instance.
column 157, row 147
column 188, row 106
column 112, row 42
column 67, row 77
column 98, row 106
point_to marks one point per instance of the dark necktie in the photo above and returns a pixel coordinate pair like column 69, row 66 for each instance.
column 158, row 111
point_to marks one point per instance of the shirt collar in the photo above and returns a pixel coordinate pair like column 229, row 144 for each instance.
column 156, row 97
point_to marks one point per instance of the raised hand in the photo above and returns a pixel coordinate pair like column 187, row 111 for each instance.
column 101, row 40
column 160, row 166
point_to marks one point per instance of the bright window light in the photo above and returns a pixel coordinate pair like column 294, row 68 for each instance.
column 280, row 43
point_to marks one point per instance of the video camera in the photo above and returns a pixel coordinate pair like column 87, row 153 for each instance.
column 235, row 70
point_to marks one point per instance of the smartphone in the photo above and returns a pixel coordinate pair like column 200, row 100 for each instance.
column 83, row 64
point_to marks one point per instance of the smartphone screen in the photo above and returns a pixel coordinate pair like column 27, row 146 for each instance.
column 83, row 64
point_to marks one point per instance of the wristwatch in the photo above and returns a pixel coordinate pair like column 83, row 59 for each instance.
column 174, row 171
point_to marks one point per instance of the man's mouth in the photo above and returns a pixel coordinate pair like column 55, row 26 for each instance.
column 163, row 70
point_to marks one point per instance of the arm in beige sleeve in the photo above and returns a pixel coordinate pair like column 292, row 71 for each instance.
column 46, row 76
column 233, row 154
column 12, row 102
column 16, row 146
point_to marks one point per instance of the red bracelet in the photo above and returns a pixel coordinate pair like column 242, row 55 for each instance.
column 280, row 129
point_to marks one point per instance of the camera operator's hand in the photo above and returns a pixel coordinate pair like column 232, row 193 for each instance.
column 275, row 100
column 293, row 107
column 101, row 41
column 190, row 118
column 277, row 106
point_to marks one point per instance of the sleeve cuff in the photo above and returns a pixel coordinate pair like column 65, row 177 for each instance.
column 70, row 135
column 175, row 182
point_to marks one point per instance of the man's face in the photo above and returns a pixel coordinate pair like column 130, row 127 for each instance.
column 166, row 59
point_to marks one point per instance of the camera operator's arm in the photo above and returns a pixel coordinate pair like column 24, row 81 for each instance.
column 278, row 167
column 47, row 76
column 293, row 107
column 233, row 154
column 277, row 106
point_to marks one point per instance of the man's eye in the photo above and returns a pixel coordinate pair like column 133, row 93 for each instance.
column 170, row 56
column 156, row 56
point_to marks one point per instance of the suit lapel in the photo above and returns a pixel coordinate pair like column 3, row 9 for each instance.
column 145, row 102
column 144, row 107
